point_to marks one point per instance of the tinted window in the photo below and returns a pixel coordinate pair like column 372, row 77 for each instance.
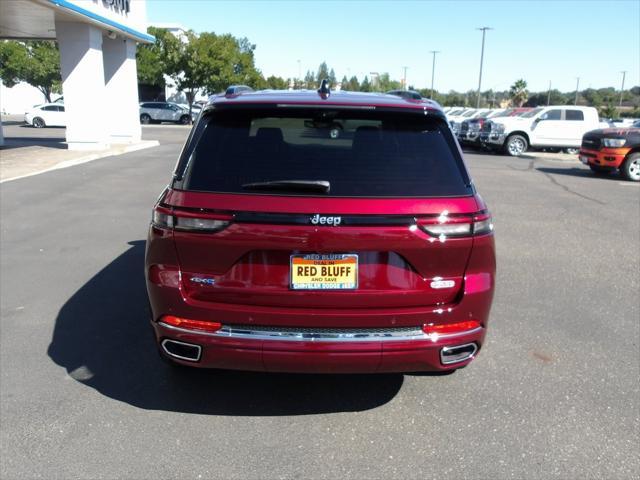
column 50, row 108
column 552, row 115
column 371, row 153
column 574, row 115
column 60, row 109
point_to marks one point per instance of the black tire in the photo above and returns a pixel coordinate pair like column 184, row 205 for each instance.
column 516, row 145
column 630, row 168
column 38, row 123
column 185, row 120
column 572, row 150
column 145, row 119
column 600, row 171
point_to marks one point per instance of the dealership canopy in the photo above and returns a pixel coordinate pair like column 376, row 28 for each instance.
column 97, row 41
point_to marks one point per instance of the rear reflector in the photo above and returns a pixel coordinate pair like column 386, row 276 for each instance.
column 191, row 324
column 202, row 224
column 451, row 328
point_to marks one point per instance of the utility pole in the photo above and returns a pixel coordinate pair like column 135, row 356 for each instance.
column 299, row 71
column 624, row 74
column 549, row 94
column 577, row 86
column 484, row 31
column 404, row 81
column 433, row 70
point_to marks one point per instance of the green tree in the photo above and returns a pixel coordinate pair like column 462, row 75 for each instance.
column 593, row 97
column 365, row 86
column 354, row 84
column 323, row 72
column 212, row 62
column 159, row 58
column 332, row 78
column 309, row 80
column 34, row 62
column 277, row 83
column 385, row 83
column 608, row 111
column 518, row 92
column 344, row 83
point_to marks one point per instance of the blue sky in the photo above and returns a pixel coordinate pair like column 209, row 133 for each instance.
column 539, row 41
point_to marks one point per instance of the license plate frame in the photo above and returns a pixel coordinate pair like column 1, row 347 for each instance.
column 324, row 260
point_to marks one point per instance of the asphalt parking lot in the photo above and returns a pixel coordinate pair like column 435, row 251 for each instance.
column 554, row 394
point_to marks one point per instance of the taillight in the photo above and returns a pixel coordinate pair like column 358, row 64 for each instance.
column 162, row 218
column 451, row 328
column 189, row 221
column 191, row 324
column 457, row 226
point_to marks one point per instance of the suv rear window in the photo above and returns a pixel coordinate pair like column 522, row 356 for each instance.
column 360, row 153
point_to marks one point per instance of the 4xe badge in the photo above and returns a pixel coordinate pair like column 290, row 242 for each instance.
column 319, row 220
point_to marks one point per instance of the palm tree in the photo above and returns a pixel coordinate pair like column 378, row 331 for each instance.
column 518, row 92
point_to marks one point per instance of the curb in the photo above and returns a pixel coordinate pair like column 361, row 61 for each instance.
column 89, row 158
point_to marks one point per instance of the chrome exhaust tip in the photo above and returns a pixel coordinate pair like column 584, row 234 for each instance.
column 459, row 353
column 181, row 350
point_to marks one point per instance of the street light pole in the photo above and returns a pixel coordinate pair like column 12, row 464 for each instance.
column 433, row 70
column 549, row 94
column 577, row 86
column 404, row 81
column 624, row 74
column 484, row 31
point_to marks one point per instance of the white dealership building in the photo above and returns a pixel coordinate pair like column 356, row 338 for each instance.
column 97, row 41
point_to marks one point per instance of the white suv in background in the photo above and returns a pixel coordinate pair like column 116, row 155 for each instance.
column 559, row 126
column 163, row 112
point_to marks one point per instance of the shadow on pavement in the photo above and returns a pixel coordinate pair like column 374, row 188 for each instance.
column 580, row 172
column 21, row 142
column 103, row 339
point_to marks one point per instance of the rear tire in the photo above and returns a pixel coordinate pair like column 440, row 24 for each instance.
column 145, row 119
column 516, row 145
column 38, row 123
column 184, row 120
column 630, row 168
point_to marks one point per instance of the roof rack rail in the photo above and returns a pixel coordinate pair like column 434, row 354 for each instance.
column 237, row 89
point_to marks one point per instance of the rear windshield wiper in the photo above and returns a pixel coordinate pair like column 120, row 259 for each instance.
column 298, row 185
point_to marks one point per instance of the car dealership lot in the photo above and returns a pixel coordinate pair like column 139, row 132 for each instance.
column 554, row 393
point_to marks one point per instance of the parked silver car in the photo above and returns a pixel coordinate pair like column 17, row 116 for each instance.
column 163, row 112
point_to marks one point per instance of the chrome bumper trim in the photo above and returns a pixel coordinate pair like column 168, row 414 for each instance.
column 245, row 332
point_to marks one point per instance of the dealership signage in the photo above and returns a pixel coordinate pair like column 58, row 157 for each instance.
column 122, row 6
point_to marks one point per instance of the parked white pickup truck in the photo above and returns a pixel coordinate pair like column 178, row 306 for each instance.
column 560, row 126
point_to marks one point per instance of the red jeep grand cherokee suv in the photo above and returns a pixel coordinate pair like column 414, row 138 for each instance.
column 313, row 231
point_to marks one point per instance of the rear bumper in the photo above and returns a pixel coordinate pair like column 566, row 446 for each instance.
column 232, row 350
column 240, row 352
column 605, row 157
